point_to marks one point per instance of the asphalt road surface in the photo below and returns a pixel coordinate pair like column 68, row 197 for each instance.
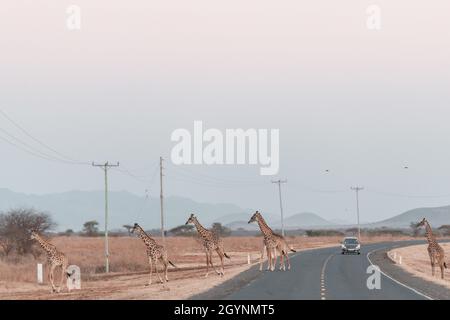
column 324, row 274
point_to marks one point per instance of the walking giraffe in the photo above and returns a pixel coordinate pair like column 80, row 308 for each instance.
column 211, row 241
column 155, row 252
column 55, row 259
column 435, row 251
column 272, row 242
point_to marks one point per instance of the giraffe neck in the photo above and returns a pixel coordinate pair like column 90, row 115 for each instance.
column 201, row 230
column 145, row 237
column 48, row 247
column 429, row 233
column 265, row 229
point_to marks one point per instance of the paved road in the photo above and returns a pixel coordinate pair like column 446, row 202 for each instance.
column 326, row 274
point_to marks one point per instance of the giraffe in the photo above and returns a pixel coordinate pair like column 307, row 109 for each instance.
column 155, row 252
column 211, row 242
column 55, row 259
column 435, row 251
column 272, row 242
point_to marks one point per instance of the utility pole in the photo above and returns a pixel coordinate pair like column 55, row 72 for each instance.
column 357, row 189
column 279, row 182
column 105, row 168
column 161, row 197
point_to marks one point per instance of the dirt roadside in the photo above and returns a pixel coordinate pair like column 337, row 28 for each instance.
column 415, row 260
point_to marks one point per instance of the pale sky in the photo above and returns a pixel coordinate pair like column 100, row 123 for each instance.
column 359, row 102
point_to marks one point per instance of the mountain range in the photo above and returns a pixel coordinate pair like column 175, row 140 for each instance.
column 71, row 209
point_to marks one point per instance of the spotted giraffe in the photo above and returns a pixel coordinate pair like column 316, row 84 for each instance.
column 272, row 242
column 55, row 259
column 155, row 252
column 211, row 241
column 435, row 251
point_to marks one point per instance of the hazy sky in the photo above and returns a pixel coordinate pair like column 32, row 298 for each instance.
column 359, row 102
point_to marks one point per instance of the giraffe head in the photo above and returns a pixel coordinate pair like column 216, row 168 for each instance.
column 254, row 217
column 33, row 235
column 422, row 223
column 135, row 227
column 191, row 219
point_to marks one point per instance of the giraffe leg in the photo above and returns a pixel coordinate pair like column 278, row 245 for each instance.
column 151, row 271
column 282, row 267
column 274, row 260
column 157, row 271
column 212, row 265
column 63, row 276
column 166, row 267
column 261, row 259
column 207, row 264
column 221, row 255
column 51, row 275
column 432, row 268
column 269, row 258
column 288, row 261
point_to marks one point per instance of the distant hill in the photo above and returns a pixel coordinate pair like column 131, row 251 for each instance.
column 297, row 221
column 437, row 216
column 242, row 225
column 71, row 209
column 304, row 220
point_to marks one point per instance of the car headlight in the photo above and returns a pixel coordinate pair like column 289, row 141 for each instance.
column 358, row 247
column 342, row 246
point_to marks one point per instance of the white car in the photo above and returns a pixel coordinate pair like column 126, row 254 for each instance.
column 351, row 245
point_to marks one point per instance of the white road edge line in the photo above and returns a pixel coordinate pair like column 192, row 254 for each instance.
column 322, row 277
column 396, row 281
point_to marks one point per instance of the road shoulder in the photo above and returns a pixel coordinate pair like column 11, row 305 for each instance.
column 426, row 288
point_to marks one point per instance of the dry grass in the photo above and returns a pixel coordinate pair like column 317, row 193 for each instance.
column 415, row 260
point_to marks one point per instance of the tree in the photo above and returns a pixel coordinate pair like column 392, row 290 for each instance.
column 68, row 233
column 445, row 230
column 128, row 228
column 90, row 228
column 220, row 230
column 16, row 226
column 415, row 229
column 183, row 230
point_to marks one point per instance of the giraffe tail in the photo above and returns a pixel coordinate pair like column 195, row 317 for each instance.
column 226, row 256
column 172, row 264
column 293, row 250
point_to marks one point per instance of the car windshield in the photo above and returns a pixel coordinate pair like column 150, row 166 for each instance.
column 351, row 241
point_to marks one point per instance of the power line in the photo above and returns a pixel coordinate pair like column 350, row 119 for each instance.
column 209, row 178
column 61, row 155
column 22, row 145
column 391, row 194
column 33, row 153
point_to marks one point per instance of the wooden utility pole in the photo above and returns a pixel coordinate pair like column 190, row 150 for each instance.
column 279, row 182
column 105, row 168
column 357, row 189
column 161, row 197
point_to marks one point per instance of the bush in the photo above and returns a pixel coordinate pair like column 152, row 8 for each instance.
column 90, row 228
column 183, row 230
column 444, row 230
column 220, row 230
column 323, row 233
column 15, row 228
